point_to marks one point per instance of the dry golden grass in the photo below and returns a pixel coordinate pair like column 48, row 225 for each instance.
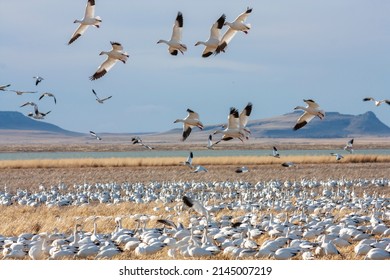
column 30, row 174
column 43, row 219
column 173, row 161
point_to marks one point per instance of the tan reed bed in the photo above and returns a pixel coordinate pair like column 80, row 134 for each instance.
column 173, row 161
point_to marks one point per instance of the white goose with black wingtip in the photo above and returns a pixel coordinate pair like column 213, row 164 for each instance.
column 212, row 43
column 93, row 134
column 174, row 44
column 113, row 56
column 100, row 100
column 377, row 102
column 312, row 110
column 50, row 95
column 89, row 19
column 237, row 25
column 349, row 146
column 190, row 121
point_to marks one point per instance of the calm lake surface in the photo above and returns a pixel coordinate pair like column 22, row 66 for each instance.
column 157, row 153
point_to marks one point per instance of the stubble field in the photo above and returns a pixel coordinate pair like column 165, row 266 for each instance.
column 33, row 176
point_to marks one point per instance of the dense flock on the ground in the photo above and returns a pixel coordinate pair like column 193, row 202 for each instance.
column 305, row 219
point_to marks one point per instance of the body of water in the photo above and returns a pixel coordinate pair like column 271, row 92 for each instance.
column 157, row 153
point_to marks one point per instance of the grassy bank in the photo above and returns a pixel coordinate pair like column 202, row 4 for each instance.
column 173, row 161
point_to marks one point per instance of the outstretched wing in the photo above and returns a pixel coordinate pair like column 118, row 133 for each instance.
column 303, row 120
column 196, row 205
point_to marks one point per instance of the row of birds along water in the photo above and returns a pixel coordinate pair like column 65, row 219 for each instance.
column 307, row 219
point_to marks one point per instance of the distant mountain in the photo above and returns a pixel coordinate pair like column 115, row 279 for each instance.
column 334, row 125
column 11, row 120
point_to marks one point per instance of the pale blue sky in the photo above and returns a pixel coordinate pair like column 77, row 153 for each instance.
column 335, row 52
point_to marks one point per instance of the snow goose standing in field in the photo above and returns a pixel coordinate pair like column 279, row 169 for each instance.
column 377, row 254
column 48, row 94
column 174, row 44
column 377, row 102
column 214, row 39
column 37, row 251
column 138, row 140
column 20, row 92
column 115, row 54
column 191, row 120
column 100, row 100
column 338, row 156
column 311, row 111
column 89, row 19
column 242, row 169
column 286, row 253
column 237, row 25
column 288, row 164
column 3, row 87
column 349, row 146
column 38, row 79
column 93, row 134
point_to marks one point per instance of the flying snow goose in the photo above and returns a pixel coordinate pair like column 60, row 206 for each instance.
column 232, row 129
column 93, row 134
column 275, row 152
column 191, row 120
column 37, row 114
column 174, row 44
column 212, row 43
column 210, row 142
column 311, row 111
column 29, row 103
column 349, row 146
column 188, row 161
column 138, row 140
column 237, row 25
column 20, row 92
column 236, row 127
column 38, row 79
column 196, row 205
column 243, row 118
column 3, row 87
column 50, row 95
column 115, row 54
column 338, row 156
column 377, row 102
column 100, row 100
column 89, row 19
column 200, row 168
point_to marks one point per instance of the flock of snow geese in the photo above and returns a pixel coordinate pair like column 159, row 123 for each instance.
column 298, row 217
column 215, row 44
column 305, row 219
